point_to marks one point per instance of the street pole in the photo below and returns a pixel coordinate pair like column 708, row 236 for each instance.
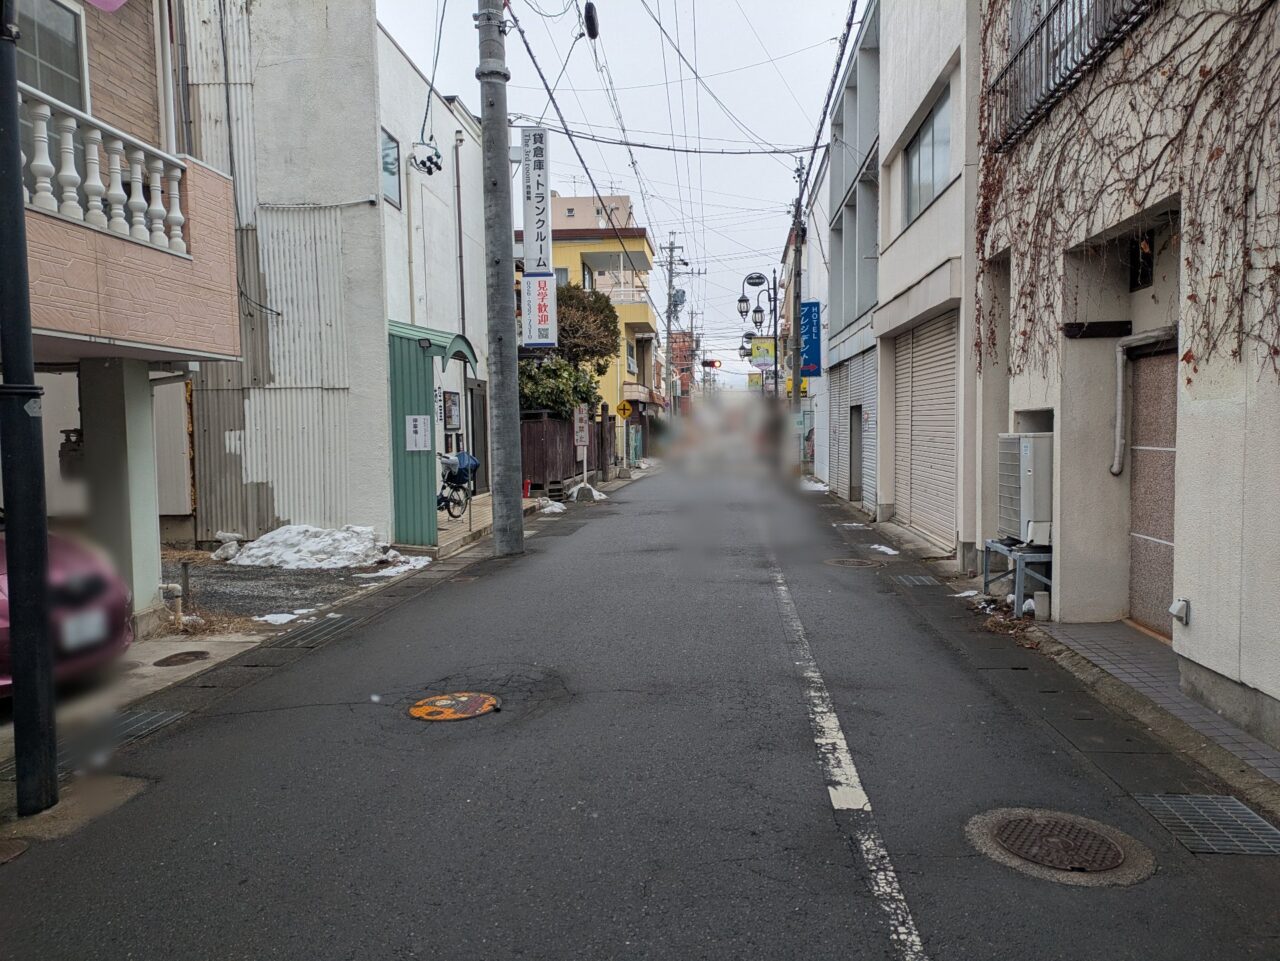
column 499, row 239
column 798, row 231
column 777, row 357
column 22, row 467
column 671, row 310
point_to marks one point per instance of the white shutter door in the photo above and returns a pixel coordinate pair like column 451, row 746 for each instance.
column 838, row 392
column 865, row 395
column 902, row 429
column 933, row 429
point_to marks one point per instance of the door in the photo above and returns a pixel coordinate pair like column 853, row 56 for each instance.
column 1152, row 457
column 413, row 459
column 855, row 453
column 478, row 424
column 925, row 434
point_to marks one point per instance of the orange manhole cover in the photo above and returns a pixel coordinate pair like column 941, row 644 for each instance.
column 455, row 706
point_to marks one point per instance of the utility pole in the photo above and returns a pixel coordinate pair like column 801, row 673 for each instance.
column 500, row 275
column 672, row 309
column 797, row 232
column 22, row 466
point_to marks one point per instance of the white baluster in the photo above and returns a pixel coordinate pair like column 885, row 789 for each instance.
column 155, row 212
column 137, row 203
column 68, row 176
column 116, row 196
column 174, row 217
column 93, row 189
column 41, row 166
column 22, row 155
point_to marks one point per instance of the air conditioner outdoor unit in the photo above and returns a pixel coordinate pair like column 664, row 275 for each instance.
column 1026, row 487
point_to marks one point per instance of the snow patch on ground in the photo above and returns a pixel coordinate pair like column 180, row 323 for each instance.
column 548, row 506
column 811, row 486
column 595, row 494
column 855, row 526
column 226, row 552
column 303, row 547
column 402, row 565
column 966, row 594
column 647, row 463
column 277, row 619
column 882, row 549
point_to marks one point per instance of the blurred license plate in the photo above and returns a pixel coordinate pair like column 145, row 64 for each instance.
column 83, row 629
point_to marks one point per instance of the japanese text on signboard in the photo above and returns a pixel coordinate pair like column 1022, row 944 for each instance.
column 539, row 291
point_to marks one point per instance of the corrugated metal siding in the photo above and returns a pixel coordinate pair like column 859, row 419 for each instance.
column 838, row 394
column 927, row 362
column 902, row 429
column 413, row 473
column 863, row 391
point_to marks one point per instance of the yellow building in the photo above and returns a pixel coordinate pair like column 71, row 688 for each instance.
column 615, row 258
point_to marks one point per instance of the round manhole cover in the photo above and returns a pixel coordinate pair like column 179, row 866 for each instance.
column 851, row 562
column 182, row 657
column 455, row 706
column 1059, row 844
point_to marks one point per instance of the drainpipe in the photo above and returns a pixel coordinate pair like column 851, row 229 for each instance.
column 166, row 79
column 1122, row 350
column 457, row 193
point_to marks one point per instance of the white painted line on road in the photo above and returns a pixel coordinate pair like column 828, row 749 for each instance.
column 841, row 775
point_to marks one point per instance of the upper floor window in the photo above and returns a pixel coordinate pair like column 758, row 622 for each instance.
column 51, row 54
column 568, row 211
column 632, row 367
column 562, row 276
column 390, row 169
column 928, row 158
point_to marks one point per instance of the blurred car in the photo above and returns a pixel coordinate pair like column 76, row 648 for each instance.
column 90, row 606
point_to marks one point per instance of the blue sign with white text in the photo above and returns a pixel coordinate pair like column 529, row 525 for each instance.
column 810, row 338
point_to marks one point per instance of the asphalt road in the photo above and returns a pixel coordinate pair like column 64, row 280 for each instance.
column 651, row 788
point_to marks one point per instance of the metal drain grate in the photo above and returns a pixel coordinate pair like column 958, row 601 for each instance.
column 314, row 635
column 851, row 562
column 125, row 728
column 1211, row 824
column 1058, row 843
column 917, row 580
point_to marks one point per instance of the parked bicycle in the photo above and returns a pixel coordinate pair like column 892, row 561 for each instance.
column 456, row 474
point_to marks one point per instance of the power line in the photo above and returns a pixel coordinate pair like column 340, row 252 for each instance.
column 708, row 76
column 638, row 145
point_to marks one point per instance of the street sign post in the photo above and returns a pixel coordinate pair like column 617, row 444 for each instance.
column 580, row 421
column 624, row 410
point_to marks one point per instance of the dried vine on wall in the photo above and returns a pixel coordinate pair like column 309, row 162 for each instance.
column 1186, row 108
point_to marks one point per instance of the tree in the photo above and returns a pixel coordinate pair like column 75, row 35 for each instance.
column 565, row 376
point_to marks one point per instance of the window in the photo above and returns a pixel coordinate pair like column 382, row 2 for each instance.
column 562, row 276
column 568, row 211
column 390, row 169
column 928, row 158
column 51, row 54
column 631, row 358
column 588, row 280
column 1142, row 260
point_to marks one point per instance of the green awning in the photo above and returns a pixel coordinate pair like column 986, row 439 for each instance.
column 437, row 343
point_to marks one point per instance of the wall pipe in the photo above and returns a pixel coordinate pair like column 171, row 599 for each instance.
column 457, row 202
column 1122, row 353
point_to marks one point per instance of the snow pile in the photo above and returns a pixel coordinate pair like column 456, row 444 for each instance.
column 230, row 546
column 400, row 565
column 595, row 494
column 298, row 547
column 647, row 463
column 966, row 594
column 548, row 506
column 811, row 486
column 854, row 526
column 882, row 549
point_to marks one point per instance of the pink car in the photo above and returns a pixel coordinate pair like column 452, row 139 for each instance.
column 90, row 610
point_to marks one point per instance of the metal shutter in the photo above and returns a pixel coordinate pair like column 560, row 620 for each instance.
column 927, row 404
column 864, row 393
column 838, row 393
column 902, row 429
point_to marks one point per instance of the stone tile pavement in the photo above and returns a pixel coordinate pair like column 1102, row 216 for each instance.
column 1151, row 668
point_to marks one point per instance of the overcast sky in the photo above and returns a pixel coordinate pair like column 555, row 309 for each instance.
column 730, row 213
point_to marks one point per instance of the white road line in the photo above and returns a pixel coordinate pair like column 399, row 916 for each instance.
column 841, row 775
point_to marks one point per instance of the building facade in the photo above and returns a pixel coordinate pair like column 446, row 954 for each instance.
column 1133, row 303
column 132, row 265
column 357, row 270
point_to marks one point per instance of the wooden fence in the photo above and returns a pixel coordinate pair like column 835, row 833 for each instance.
column 547, row 453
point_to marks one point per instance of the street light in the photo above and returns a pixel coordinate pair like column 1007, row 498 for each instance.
column 770, row 290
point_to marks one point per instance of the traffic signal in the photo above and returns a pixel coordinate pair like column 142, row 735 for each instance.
column 715, row 364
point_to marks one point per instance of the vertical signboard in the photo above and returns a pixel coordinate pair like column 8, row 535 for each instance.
column 810, row 338
column 539, row 285
column 762, row 353
column 580, row 421
column 417, row 432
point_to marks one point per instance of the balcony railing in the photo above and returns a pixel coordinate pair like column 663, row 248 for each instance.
column 1057, row 51
column 141, row 196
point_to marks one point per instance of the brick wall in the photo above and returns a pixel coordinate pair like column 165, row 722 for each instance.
column 123, row 73
column 91, row 282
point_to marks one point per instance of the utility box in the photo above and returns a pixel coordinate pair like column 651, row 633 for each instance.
column 1026, row 487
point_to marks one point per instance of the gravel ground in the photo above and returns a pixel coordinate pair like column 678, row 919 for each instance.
column 229, row 589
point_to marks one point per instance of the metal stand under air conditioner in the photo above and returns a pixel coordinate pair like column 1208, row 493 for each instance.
column 1020, row 556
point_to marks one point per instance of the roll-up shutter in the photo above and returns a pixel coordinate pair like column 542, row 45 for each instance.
column 864, row 394
column 838, row 397
column 925, row 397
